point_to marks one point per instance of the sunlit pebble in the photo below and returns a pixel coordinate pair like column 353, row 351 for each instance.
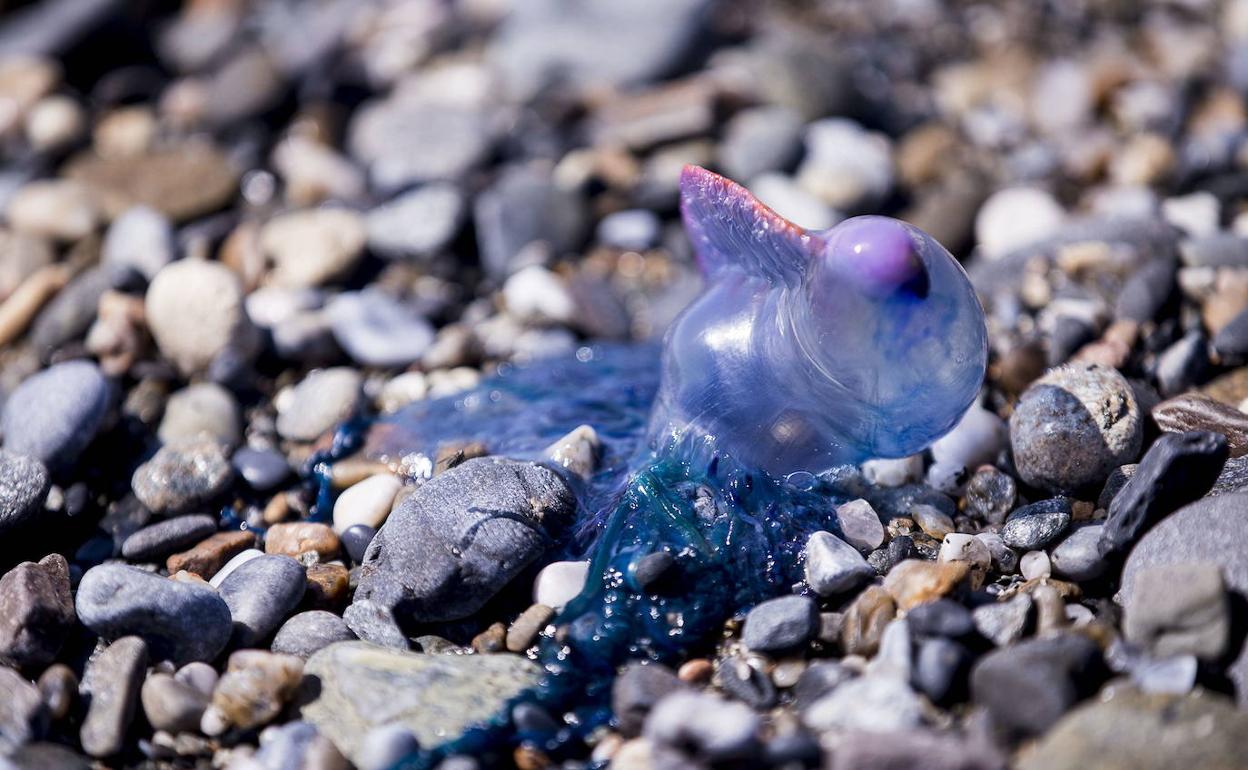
column 258, row 187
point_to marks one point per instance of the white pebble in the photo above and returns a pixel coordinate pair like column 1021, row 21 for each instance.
column 233, row 564
column 402, row 390
column 977, row 439
column 1015, row 217
column 536, row 295
column 958, row 546
column 893, row 473
column 559, row 582
column 366, row 502
column 577, row 451
column 1196, row 214
column 1035, row 565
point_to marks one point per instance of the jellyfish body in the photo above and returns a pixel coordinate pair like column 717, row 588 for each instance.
column 808, row 350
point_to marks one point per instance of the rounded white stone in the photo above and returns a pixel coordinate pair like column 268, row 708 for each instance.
column 559, row 582
column 367, row 502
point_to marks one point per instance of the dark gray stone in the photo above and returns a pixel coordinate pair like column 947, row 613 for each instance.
column 1027, row 687
column 111, row 686
column 262, row 469
column 1184, row 364
column 1035, row 526
column 943, row 617
column 940, row 668
column 1177, row 469
column 1146, row 292
column 24, row 485
column 36, row 612
column 173, row 705
column 170, row 536
column 180, row 621
column 307, row 632
column 760, row 139
column 820, row 678
column 54, row 414
column 461, row 537
column 785, row 623
column 696, row 729
column 72, row 311
column 181, row 477
column 261, row 594
column 1231, row 341
column 355, row 540
column 990, row 495
column 524, row 206
column 635, row 691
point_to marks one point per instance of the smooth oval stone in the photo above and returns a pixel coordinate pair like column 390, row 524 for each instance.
column 180, row 621
column 378, row 330
column 355, row 540
column 112, row 681
column 202, row 410
column 1036, row 525
column 260, row 594
column 166, row 537
column 318, row 403
column 262, row 469
column 24, row 486
column 310, row 631
column 53, row 415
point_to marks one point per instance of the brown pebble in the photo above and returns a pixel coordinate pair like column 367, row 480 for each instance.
column 525, row 628
column 1193, row 412
column 254, row 689
column 210, row 555
column 864, row 621
column 914, row 582
column 20, row 307
column 59, row 689
column 696, row 671
column 276, row 510
column 182, row 576
column 1019, row 368
column 327, row 587
column 1230, row 388
column 352, row 470
column 300, row 537
column 492, row 639
column 530, row 758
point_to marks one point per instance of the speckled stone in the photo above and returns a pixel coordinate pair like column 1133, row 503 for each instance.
column 24, row 485
column 181, row 477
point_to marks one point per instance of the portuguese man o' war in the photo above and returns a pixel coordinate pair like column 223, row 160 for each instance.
column 806, row 352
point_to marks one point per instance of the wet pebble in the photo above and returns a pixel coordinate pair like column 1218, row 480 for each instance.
column 860, row 525
column 1037, row 525
column 356, row 539
column 834, row 566
column 559, row 583
column 262, row 469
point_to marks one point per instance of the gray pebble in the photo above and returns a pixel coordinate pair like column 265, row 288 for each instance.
column 262, row 469
column 636, row 691
column 202, row 410
column 24, row 485
column 111, row 682
column 834, row 566
column 319, row 402
column 142, row 239
column 54, row 414
column 307, row 632
column 701, row 728
column 180, row 621
column 23, row 717
column 163, row 538
column 1078, row 556
column 1004, row 623
column 418, row 563
column 524, row 206
column 299, row 745
column 182, row 477
column 355, row 539
column 1179, row 609
column 378, row 330
column 385, row 747
column 260, row 595
column 879, row 703
column 784, row 623
column 416, row 224
column 1073, row 426
column 632, row 230
column 172, row 705
column 760, row 139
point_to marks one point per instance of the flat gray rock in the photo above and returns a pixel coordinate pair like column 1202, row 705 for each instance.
column 308, row 632
column 436, row 697
column 1209, row 530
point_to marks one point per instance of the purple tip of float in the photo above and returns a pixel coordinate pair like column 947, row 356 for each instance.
column 882, row 253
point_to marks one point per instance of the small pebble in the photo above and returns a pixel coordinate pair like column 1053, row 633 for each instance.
column 559, row 583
